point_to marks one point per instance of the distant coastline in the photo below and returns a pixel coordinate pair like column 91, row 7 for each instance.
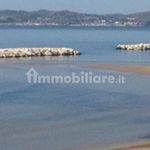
column 68, row 18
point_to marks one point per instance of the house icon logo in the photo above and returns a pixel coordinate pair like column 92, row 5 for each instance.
column 32, row 75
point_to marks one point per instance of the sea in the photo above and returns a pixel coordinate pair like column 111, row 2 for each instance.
column 69, row 116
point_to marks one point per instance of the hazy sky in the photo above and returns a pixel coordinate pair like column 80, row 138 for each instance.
column 89, row 6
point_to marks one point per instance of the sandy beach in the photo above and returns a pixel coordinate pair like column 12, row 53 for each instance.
column 131, row 68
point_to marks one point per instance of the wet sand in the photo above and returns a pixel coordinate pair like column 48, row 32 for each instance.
column 131, row 68
column 135, row 147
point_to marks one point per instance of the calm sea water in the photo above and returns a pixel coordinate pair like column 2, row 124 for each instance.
column 97, row 44
column 72, row 116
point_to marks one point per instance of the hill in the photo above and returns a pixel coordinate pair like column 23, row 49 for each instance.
column 68, row 18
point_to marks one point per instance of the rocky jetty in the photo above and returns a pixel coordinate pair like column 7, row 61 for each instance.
column 30, row 52
column 139, row 47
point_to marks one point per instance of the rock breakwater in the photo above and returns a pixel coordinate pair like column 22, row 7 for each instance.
column 30, row 52
column 139, row 47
